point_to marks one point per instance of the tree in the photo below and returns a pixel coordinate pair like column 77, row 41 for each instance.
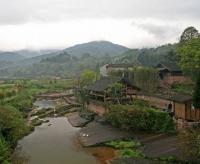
column 189, row 34
column 116, row 91
column 12, row 124
column 172, row 56
column 196, row 96
column 190, row 56
column 88, row 77
column 189, row 51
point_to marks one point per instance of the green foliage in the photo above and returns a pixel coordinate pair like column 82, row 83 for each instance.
column 12, row 124
column 123, row 144
column 88, row 77
column 190, row 56
column 4, row 151
column 128, row 148
column 116, row 91
column 188, row 34
column 190, row 144
column 145, row 78
column 139, row 117
column 153, row 56
column 196, row 96
column 183, row 88
column 82, row 96
column 131, row 153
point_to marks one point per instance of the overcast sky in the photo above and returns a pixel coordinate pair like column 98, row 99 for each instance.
column 39, row 24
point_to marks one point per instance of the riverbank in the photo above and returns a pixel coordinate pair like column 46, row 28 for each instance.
column 95, row 133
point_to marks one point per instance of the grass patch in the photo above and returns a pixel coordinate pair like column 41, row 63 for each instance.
column 123, row 144
column 131, row 153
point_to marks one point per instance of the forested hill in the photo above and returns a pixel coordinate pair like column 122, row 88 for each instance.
column 64, row 64
column 97, row 48
column 148, row 56
column 10, row 56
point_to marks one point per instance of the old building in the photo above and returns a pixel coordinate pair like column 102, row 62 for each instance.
column 179, row 105
column 100, row 90
column 171, row 73
column 108, row 68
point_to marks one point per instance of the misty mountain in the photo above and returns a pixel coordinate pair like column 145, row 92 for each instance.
column 95, row 48
column 63, row 64
column 33, row 53
column 10, row 56
column 148, row 56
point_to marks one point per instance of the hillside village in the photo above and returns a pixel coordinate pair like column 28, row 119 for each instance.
column 133, row 97
column 138, row 106
column 179, row 105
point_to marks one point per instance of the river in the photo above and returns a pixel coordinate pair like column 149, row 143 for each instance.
column 54, row 143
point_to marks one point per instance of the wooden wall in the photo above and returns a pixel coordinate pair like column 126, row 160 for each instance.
column 180, row 111
column 155, row 101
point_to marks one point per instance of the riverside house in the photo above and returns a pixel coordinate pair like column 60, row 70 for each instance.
column 171, row 73
column 100, row 90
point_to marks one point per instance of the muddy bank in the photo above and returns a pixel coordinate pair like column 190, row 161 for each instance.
column 96, row 133
column 76, row 120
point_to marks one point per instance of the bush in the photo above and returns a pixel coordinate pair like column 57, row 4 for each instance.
column 131, row 153
column 4, row 151
column 123, row 144
column 12, row 124
column 190, row 144
column 137, row 117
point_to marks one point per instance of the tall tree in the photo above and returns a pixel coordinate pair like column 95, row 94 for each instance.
column 88, row 77
column 116, row 91
column 189, row 51
column 189, row 34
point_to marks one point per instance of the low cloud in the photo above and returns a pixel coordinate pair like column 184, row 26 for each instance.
column 159, row 29
column 59, row 23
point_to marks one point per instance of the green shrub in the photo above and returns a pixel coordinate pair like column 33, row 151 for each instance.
column 137, row 117
column 4, row 151
column 123, row 144
column 131, row 153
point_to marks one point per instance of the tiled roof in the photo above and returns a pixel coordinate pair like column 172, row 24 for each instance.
column 169, row 65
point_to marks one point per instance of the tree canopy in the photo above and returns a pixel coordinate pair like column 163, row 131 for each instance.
column 188, row 34
column 88, row 77
column 189, row 52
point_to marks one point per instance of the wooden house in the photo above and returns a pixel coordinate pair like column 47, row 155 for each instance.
column 179, row 105
column 171, row 73
column 100, row 90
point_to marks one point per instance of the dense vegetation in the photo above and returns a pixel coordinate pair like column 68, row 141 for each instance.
column 140, row 117
column 189, row 52
column 148, row 56
column 190, row 144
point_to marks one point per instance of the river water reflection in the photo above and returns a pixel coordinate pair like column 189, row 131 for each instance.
column 54, row 143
